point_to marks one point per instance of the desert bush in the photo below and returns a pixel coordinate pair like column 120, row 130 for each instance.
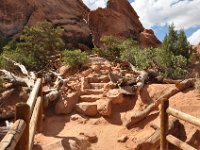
column 141, row 58
column 110, row 48
column 35, row 46
column 74, row 58
column 170, row 65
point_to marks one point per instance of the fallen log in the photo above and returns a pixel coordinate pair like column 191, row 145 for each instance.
column 144, row 113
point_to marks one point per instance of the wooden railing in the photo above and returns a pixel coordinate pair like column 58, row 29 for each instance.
column 164, row 119
column 28, row 119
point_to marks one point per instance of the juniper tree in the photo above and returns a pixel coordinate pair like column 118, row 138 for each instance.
column 36, row 45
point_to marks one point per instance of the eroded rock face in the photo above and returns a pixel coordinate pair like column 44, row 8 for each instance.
column 82, row 27
column 147, row 38
column 71, row 15
column 120, row 20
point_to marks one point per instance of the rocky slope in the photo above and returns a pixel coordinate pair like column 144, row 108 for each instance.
column 94, row 117
column 118, row 19
column 14, row 15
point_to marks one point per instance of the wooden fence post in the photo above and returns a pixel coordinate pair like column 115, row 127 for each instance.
column 41, row 111
column 164, row 121
column 23, row 112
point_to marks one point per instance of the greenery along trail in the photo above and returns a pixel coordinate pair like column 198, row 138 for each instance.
column 35, row 47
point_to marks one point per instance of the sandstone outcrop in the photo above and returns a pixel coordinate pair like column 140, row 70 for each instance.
column 71, row 15
column 66, row 106
column 82, row 27
column 119, row 19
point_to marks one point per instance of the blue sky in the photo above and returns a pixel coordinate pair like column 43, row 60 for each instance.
column 159, row 14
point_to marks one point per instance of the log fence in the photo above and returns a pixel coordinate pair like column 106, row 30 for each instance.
column 28, row 119
column 166, row 138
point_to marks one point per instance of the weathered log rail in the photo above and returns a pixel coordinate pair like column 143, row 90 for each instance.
column 28, row 119
column 164, row 121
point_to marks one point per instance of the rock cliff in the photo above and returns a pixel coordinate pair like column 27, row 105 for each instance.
column 120, row 20
column 80, row 24
column 14, row 15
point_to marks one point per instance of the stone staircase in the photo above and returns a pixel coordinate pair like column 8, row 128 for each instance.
column 93, row 86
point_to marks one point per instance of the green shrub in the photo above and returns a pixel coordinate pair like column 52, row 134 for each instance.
column 74, row 58
column 35, row 46
column 141, row 58
column 170, row 60
column 170, row 65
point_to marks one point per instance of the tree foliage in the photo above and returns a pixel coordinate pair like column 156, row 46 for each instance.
column 74, row 58
column 35, row 46
column 169, row 60
column 176, row 42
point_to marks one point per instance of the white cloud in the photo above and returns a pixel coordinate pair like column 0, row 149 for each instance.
column 194, row 39
column 183, row 13
column 94, row 4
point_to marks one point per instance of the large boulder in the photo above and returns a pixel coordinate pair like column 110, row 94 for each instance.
column 104, row 107
column 66, row 106
column 71, row 15
column 147, row 38
column 87, row 108
column 116, row 96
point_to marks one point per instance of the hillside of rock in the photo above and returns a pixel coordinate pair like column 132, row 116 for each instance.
column 14, row 15
column 119, row 19
column 82, row 27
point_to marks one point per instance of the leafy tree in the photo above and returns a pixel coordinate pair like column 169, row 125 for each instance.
column 74, row 58
column 183, row 45
column 36, row 45
column 176, row 42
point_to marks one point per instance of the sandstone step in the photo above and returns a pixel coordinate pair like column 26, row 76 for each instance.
column 90, row 98
column 101, row 79
column 104, row 72
column 92, row 91
column 97, row 85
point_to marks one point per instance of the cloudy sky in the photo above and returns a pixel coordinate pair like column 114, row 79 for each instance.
column 158, row 14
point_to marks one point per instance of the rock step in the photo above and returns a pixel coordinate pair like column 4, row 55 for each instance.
column 92, row 91
column 90, row 98
column 104, row 72
column 101, row 79
column 97, row 85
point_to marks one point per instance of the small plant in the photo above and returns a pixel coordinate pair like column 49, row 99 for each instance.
column 74, row 58
column 110, row 48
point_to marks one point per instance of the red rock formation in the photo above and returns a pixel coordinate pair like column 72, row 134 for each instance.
column 197, row 47
column 14, row 15
column 120, row 20
column 147, row 38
